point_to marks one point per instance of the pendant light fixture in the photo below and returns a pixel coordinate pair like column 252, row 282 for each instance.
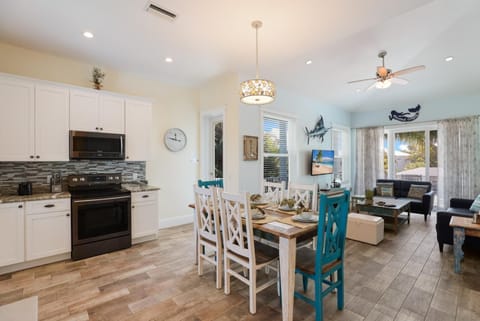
column 257, row 91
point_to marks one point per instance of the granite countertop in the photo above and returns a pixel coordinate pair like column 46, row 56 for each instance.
column 33, row 197
column 138, row 187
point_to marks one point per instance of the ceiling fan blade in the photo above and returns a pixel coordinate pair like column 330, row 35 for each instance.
column 371, row 86
column 360, row 80
column 399, row 81
column 407, row 70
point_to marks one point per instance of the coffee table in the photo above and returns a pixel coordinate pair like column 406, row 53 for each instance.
column 462, row 226
column 397, row 207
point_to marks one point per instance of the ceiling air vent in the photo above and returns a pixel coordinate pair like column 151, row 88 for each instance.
column 162, row 11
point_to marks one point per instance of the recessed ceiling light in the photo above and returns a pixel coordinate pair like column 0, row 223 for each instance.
column 308, row 62
column 448, row 59
column 168, row 59
column 88, row 34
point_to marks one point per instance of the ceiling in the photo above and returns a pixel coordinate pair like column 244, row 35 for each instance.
column 210, row 37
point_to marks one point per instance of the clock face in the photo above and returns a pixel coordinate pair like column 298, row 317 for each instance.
column 175, row 139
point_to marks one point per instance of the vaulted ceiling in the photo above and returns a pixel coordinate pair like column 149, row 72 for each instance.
column 210, row 37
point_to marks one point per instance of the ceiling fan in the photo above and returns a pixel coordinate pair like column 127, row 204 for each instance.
column 385, row 77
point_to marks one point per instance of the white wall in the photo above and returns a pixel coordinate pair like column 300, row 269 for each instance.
column 305, row 112
column 173, row 106
column 434, row 109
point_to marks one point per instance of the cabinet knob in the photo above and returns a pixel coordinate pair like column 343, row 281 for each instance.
column 127, row 157
column 133, row 206
column 68, row 214
column 96, row 128
column 20, row 206
column 38, row 156
column 101, row 128
column 31, row 156
column 49, row 205
column 145, row 196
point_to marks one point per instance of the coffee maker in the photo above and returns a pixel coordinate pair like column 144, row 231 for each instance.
column 56, row 183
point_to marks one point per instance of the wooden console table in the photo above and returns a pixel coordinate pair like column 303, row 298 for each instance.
column 462, row 226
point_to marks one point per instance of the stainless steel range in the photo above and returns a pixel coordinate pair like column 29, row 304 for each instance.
column 101, row 214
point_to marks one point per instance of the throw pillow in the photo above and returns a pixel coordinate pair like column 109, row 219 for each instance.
column 385, row 189
column 476, row 204
column 417, row 191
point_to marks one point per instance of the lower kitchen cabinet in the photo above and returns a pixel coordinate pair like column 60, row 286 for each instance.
column 47, row 228
column 11, row 233
column 144, row 215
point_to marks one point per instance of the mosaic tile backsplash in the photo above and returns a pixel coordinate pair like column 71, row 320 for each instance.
column 12, row 173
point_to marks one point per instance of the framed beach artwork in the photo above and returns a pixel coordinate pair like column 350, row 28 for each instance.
column 250, row 148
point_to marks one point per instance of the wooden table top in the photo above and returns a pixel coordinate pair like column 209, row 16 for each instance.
column 281, row 229
column 465, row 222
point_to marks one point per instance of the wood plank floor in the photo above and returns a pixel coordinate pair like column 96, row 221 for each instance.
column 404, row 278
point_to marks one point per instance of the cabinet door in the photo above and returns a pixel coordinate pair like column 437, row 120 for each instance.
column 47, row 234
column 11, row 233
column 83, row 111
column 138, row 120
column 112, row 114
column 16, row 119
column 144, row 219
column 51, row 123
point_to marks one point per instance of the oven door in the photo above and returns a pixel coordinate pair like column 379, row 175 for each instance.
column 98, row 219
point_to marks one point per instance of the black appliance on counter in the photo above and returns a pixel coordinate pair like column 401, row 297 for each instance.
column 25, row 188
column 93, row 145
column 101, row 214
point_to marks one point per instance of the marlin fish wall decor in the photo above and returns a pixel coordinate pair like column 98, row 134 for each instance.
column 318, row 131
column 411, row 115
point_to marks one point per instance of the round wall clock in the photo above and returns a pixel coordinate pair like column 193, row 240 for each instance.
column 175, row 139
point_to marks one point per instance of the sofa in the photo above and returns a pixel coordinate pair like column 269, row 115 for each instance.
column 458, row 207
column 400, row 190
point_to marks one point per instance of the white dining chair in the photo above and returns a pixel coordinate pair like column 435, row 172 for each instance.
column 209, row 236
column 273, row 192
column 307, row 194
column 240, row 247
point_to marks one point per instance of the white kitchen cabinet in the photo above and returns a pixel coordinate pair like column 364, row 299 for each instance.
column 144, row 214
column 11, row 233
column 33, row 121
column 51, row 123
column 138, row 130
column 16, row 119
column 47, row 228
column 96, row 112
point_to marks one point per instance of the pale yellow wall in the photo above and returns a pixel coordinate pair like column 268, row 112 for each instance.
column 173, row 106
column 222, row 92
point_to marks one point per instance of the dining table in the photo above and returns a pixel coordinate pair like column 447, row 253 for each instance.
column 279, row 229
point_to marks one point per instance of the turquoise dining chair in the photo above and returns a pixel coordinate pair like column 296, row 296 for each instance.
column 320, row 265
column 218, row 182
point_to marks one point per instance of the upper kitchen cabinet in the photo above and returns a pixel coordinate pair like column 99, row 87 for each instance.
column 33, row 121
column 137, row 129
column 51, row 123
column 16, row 119
column 92, row 111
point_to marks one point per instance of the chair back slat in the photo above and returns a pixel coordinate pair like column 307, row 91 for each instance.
column 307, row 194
column 332, row 226
column 237, row 240
column 207, row 213
column 218, row 182
column 273, row 192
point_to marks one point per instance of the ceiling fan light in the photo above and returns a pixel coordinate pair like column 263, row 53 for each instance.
column 257, row 91
column 383, row 84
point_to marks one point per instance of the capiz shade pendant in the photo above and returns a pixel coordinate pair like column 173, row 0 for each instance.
column 257, row 91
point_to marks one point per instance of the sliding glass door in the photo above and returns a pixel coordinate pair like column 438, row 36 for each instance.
column 411, row 154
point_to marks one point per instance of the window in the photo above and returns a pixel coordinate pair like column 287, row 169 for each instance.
column 275, row 149
column 412, row 154
column 341, row 147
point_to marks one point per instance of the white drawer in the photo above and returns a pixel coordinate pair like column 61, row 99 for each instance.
column 47, row 206
column 149, row 196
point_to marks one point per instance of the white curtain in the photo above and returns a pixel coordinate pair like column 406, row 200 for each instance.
column 369, row 158
column 458, row 159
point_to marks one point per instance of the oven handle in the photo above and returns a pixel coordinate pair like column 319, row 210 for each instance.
column 102, row 199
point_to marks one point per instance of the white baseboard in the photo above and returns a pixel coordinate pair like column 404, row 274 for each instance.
column 30, row 264
column 175, row 221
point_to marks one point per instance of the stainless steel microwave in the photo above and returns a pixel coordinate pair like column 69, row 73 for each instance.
column 92, row 145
